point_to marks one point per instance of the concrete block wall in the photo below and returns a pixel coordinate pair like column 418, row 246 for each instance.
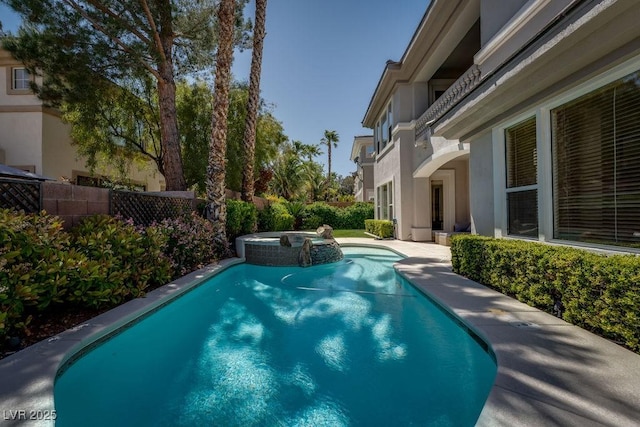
column 73, row 202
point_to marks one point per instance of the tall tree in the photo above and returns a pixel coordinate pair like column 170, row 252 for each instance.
column 217, row 208
column 252, row 104
column 330, row 139
column 194, row 108
column 75, row 43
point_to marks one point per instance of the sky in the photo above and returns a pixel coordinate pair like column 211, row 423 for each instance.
column 322, row 61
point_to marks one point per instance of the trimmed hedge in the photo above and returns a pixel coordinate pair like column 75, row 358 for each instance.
column 348, row 218
column 242, row 218
column 379, row 227
column 597, row 292
column 275, row 217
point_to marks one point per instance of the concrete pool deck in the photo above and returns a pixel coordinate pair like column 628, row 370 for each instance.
column 549, row 372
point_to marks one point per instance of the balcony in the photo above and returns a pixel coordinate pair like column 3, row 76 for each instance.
column 458, row 90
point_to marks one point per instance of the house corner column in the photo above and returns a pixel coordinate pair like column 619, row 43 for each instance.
column 421, row 228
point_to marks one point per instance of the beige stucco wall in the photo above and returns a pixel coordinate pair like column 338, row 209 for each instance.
column 59, row 157
column 481, row 192
column 23, row 130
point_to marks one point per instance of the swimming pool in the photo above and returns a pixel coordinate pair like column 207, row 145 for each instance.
column 349, row 343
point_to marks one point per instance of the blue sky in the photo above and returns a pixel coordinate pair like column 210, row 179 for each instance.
column 322, row 61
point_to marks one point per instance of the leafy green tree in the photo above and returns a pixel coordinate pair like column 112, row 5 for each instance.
column 117, row 126
column 194, row 116
column 78, row 44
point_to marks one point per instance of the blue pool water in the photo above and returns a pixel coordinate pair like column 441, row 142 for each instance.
column 349, row 343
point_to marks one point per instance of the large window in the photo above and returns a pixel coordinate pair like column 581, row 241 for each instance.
column 521, row 171
column 596, row 169
column 385, row 201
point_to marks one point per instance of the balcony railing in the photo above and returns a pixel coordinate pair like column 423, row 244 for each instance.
column 460, row 88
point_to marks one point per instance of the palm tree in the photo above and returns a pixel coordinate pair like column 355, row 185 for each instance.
column 331, row 138
column 288, row 176
column 216, row 205
column 252, row 104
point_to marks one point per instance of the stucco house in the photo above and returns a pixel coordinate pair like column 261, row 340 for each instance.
column 363, row 155
column 34, row 138
column 527, row 112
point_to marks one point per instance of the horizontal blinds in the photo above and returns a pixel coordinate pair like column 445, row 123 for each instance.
column 521, row 154
column 596, row 165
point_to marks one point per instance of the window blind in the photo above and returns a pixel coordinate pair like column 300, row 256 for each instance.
column 596, row 165
column 521, row 154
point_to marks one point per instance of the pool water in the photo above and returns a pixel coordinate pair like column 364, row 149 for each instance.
column 350, row 343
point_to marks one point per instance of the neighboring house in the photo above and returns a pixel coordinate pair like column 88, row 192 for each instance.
column 540, row 98
column 363, row 155
column 34, row 138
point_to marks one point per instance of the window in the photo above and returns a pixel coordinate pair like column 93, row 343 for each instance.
column 20, row 79
column 369, row 151
column 385, row 201
column 390, row 121
column 596, row 180
column 521, row 171
column 384, row 139
column 384, row 126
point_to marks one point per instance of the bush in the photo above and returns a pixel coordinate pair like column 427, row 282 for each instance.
column 191, row 243
column 600, row 293
column 320, row 213
column 353, row 217
column 275, row 217
column 242, row 218
column 379, row 227
column 35, row 264
column 127, row 261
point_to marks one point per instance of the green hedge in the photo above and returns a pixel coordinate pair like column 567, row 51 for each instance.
column 275, row 217
column 379, row 227
column 242, row 218
column 348, row 218
column 597, row 292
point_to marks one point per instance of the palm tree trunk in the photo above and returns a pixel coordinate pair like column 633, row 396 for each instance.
column 253, row 102
column 216, row 203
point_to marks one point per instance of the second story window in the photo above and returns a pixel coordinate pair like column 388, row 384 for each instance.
column 382, row 132
column 20, row 79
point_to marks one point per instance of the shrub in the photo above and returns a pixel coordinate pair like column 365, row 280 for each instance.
column 128, row 261
column 35, row 264
column 320, row 213
column 242, row 218
column 275, row 217
column 379, row 227
column 600, row 293
column 353, row 217
column 191, row 243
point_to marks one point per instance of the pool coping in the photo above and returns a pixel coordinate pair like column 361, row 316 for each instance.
column 549, row 372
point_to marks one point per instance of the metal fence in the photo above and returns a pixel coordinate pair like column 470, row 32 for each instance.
column 20, row 195
column 146, row 208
